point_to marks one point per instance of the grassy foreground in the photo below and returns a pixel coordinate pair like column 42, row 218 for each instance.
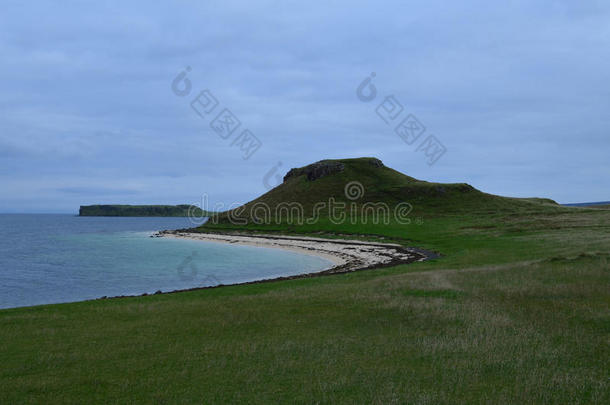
column 516, row 311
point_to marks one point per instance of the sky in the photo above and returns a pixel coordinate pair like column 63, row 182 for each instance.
column 93, row 109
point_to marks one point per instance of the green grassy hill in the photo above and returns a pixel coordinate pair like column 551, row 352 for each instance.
column 370, row 182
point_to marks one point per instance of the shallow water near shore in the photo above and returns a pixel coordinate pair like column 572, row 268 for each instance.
column 63, row 258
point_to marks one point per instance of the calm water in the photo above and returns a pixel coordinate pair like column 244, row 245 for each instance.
column 62, row 258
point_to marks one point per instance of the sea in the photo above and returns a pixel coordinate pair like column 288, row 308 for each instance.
column 54, row 258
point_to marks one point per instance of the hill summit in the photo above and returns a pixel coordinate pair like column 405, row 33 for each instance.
column 323, row 168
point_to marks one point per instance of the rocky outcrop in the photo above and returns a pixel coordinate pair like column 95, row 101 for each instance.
column 375, row 162
column 324, row 168
column 316, row 170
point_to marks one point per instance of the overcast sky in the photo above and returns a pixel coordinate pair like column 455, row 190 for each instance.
column 517, row 92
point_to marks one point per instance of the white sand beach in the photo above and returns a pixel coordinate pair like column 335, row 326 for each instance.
column 346, row 255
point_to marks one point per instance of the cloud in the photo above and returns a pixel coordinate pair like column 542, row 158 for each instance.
column 514, row 90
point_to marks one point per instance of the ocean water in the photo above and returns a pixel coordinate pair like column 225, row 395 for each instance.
column 63, row 258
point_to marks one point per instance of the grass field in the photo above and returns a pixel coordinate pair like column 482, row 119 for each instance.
column 516, row 311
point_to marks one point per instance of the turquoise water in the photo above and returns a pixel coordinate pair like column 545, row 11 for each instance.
column 63, row 258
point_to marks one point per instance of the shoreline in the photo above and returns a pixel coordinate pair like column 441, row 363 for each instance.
column 347, row 255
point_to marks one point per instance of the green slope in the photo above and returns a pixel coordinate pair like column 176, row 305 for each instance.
column 373, row 183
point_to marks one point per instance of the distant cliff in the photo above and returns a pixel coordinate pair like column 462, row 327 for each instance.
column 141, row 211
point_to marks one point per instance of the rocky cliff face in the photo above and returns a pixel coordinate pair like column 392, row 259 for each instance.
column 323, row 168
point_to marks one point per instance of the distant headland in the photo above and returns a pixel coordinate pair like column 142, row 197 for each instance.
column 117, row 210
